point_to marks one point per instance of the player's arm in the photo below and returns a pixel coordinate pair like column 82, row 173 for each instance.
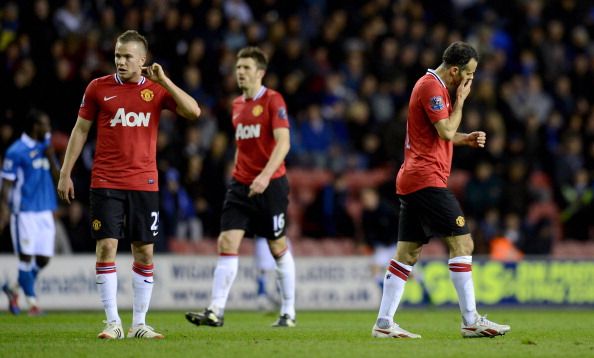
column 474, row 139
column 281, row 149
column 187, row 106
column 77, row 140
column 4, row 210
column 50, row 153
column 448, row 127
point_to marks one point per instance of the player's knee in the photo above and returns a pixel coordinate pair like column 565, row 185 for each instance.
column 407, row 258
column 106, row 249
column 278, row 247
column 142, row 252
column 408, row 255
column 462, row 246
column 228, row 243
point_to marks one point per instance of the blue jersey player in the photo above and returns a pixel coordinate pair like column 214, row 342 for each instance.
column 28, row 195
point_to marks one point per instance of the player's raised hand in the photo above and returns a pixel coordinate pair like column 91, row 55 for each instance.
column 154, row 72
column 66, row 189
column 463, row 90
column 476, row 139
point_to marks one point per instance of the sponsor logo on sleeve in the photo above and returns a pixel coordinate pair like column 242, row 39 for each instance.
column 436, row 103
column 282, row 113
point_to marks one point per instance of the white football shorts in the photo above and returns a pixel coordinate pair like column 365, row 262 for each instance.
column 33, row 233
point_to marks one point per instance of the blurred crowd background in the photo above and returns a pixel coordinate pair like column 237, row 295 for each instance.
column 346, row 69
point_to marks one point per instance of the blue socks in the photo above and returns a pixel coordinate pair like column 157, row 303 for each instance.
column 27, row 275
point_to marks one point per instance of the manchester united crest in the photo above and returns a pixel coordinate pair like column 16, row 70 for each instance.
column 257, row 110
column 96, row 224
column 460, row 221
column 147, row 95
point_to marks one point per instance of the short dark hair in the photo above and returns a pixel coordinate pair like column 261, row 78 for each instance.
column 133, row 35
column 32, row 118
column 256, row 53
column 459, row 54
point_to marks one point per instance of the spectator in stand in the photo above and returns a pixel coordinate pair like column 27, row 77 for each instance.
column 367, row 52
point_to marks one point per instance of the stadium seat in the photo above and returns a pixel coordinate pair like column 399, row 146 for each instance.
column 570, row 249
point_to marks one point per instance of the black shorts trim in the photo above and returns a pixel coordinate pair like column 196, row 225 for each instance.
column 430, row 212
column 263, row 215
column 120, row 214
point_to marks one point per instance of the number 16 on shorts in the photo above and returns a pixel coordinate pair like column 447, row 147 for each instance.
column 278, row 223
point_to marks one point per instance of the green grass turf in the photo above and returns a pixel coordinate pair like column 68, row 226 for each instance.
column 535, row 333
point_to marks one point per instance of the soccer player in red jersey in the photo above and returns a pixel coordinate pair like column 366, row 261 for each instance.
column 257, row 199
column 124, row 186
column 427, row 208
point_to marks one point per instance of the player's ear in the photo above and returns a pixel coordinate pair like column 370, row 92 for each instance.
column 454, row 71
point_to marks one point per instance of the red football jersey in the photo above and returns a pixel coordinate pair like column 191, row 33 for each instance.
column 427, row 157
column 254, row 120
column 127, row 116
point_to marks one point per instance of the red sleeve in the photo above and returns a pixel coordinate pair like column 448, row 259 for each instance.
column 432, row 98
column 278, row 112
column 168, row 102
column 88, row 106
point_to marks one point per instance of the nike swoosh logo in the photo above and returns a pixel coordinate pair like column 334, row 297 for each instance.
column 100, row 283
column 148, row 281
column 155, row 233
column 276, row 233
column 105, row 98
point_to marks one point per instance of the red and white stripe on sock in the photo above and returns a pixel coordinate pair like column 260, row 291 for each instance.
column 105, row 267
column 399, row 269
column 143, row 270
column 460, row 266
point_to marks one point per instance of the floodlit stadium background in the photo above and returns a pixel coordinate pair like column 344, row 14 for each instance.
column 346, row 69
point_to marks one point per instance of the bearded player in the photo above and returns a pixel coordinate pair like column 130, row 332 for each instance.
column 427, row 208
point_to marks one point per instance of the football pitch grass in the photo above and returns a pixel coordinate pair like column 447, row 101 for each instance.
column 535, row 333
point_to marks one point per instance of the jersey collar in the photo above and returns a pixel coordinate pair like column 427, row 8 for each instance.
column 29, row 142
column 117, row 78
column 432, row 72
column 257, row 96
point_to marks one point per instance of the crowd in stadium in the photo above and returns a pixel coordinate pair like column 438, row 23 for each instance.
column 345, row 69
